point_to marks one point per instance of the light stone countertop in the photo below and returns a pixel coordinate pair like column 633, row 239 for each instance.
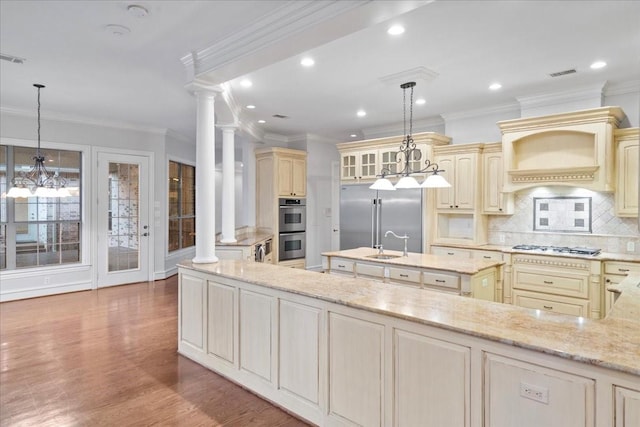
column 612, row 343
column 246, row 238
column 436, row 262
column 602, row 256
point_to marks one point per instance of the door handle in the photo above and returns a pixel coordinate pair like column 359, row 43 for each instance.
column 145, row 234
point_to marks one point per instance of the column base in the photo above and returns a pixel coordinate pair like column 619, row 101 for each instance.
column 231, row 240
column 205, row 260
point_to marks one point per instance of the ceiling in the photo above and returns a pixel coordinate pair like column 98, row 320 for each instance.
column 455, row 48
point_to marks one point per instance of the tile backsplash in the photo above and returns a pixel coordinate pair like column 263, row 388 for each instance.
column 609, row 232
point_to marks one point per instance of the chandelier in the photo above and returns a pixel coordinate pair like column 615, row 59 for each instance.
column 408, row 156
column 38, row 181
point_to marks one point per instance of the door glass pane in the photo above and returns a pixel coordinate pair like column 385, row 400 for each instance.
column 123, row 234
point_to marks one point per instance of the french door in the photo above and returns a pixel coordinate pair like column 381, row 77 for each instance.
column 123, row 219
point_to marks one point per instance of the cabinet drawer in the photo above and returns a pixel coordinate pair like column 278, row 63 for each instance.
column 455, row 252
column 622, row 268
column 369, row 270
column 487, row 255
column 403, row 275
column 571, row 306
column 442, row 280
column 565, row 283
column 341, row 266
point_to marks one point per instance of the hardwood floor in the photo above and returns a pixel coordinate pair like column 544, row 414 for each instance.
column 108, row 357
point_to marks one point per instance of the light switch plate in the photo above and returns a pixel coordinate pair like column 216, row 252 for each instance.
column 631, row 247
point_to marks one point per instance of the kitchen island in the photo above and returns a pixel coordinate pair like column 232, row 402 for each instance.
column 337, row 350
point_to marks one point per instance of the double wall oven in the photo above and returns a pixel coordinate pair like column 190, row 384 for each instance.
column 292, row 226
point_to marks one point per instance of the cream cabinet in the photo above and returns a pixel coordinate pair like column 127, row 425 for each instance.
column 627, row 175
column 292, row 176
column 363, row 161
column 527, row 395
column 614, row 273
column 562, row 285
column 494, row 200
column 461, row 165
column 627, row 407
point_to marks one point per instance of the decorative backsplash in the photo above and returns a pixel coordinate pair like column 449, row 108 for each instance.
column 608, row 232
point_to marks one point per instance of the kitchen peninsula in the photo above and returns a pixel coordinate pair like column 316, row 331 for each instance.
column 339, row 350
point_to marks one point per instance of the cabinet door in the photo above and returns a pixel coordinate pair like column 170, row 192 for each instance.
column 525, row 395
column 299, row 178
column 368, row 164
column 466, row 180
column 256, row 311
column 192, row 311
column 348, row 167
column 627, row 170
column 285, row 173
column 445, row 196
column 221, row 321
column 388, row 161
column 627, row 407
column 492, row 200
column 431, row 382
column 355, row 370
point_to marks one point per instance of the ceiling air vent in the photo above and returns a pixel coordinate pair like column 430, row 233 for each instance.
column 280, row 116
column 563, row 73
column 11, row 58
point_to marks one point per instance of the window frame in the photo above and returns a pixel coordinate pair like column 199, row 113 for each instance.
column 179, row 217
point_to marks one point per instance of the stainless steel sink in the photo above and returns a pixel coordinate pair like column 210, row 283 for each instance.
column 383, row 256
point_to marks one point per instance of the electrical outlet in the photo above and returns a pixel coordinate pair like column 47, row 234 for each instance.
column 631, row 247
column 501, row 238
column 47, row 280
column 539, row 394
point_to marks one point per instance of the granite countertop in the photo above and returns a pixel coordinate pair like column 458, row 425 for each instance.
column 436, row 262
column 246, row 238
column 613, row 342
column 627, row 306
column 602, row 256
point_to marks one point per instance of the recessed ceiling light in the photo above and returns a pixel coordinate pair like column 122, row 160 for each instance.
column 307, row 62
column 353, row 135
column 361, row 113
column 251, row 107
column 137, row 10
column 117, row 30
column 395, row 30
column 495, row 86
column 246, row 83
column 598, row 64
column 421, row 101
column 262, row 121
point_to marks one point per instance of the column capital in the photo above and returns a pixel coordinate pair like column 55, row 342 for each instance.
column 196, row 87
column 228, row 126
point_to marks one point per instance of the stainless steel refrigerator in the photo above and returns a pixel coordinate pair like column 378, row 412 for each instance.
column 366, row 215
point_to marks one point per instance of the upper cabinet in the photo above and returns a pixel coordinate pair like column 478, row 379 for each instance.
column 574, row 149
column 363, row 161
column 494, row 200
column 292, row 175
column 461, row 166
column 627, row 166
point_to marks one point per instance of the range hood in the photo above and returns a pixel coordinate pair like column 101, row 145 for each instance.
column 571, row 149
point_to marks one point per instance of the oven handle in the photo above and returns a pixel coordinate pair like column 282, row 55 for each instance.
column 293, row 233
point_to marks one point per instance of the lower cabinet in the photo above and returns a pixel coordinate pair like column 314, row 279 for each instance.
column 526, row 395
column 256, row 322
column 221, row 321
column 191, row 311
column 432, row 383
column 356, row 375
column 627, row 407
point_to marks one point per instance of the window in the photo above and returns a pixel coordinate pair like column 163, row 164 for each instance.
column 182, row 206
column 38, row 231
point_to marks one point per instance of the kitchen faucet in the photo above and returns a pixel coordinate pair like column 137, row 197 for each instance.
column 405, row 238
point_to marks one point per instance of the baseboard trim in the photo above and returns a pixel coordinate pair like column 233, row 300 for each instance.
column 44, row 291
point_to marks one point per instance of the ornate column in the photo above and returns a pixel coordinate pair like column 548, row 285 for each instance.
column 228, row 184
column 205, row 175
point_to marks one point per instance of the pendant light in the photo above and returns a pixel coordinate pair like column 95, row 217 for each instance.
column 409, row 153
column 38, row 181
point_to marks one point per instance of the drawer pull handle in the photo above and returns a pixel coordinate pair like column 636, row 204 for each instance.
column 623, row 270
column 486, row 256
column 404, row 275
column 548, row 307
column 440, row 281
column 450, row 253
column 341, row 266
column 548, row 282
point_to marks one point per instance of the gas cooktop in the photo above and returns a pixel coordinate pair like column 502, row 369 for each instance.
column 559, row 249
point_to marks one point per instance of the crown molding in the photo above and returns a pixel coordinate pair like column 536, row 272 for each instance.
column 554, row 98
column 180, row 137
column 395, row 129
column 283, row 22
column 480, row 112
column 72, row 118
column 623, row 88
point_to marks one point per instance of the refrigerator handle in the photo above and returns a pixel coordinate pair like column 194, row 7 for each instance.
column 378, row 221
column 373, row 222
